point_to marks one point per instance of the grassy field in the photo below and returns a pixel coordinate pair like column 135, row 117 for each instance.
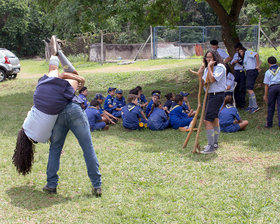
column 147, row 176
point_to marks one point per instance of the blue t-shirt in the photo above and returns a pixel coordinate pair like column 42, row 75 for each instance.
column 52, row 95
column 130, row 115
column 227, row 115
column 83, row 97
column 143, row 98
column 118, row 103
column 93, row 115
column 108, row 101
column 158, row 119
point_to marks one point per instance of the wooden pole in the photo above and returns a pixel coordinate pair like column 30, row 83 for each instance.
column 259, row 34
column 199, row 74
column 196, row 144
column 141, row 48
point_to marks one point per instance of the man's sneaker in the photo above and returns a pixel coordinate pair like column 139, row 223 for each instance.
column 254, row 110
column 248, row 109
column 97, row 191
column 54, row 46
column 208, row 150
column 49, row 190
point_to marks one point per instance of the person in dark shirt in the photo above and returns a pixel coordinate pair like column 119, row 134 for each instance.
column 83, row 93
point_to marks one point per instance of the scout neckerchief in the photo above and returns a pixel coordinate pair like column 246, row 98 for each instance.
column 172, row 108
column 92, row 107
column 130, row 107
column 274, row 69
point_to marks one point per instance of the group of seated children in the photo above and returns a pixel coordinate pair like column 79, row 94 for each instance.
column 138, row 113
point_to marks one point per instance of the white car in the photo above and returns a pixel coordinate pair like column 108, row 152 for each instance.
column 9, row 65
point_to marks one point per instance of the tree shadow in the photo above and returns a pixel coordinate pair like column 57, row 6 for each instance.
column 29, row 198
column 273, row 172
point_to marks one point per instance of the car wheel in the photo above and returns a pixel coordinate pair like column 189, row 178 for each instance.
column 9, row 77
column 2, row 75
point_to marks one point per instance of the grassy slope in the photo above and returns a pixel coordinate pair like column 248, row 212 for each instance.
column 147, row 176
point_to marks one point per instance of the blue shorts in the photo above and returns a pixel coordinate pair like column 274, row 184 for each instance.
column 213, row 104
column 231, row 128
column 251, row 76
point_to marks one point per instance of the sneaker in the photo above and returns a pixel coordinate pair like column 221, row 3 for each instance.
column 97, row 191
column 54, row 46
column 49, row 190
column 208, row 150
column 248, row 109
column 216, row 146
column 254, row 110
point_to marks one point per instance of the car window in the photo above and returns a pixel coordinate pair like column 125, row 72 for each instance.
column 8, row 53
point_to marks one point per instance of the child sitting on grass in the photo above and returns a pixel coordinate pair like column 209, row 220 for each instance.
column 94, row 117
column 158, row 119
column 177, row 117
column 142, row 99
column 186, row 104
column 106, row 117
column 131, row 114
column 169, row 100
column 118, row 103
column 155, row 99
column 108, row 104
column 229, row 118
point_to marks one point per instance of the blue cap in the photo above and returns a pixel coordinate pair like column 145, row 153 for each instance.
column 119, row 91
column 157, row 94
column 184, row 93
column 99, row 96
column 110, row 89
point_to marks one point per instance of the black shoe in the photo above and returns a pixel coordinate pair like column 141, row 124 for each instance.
column 49, row 190
column 208, row 150
column 97, row 191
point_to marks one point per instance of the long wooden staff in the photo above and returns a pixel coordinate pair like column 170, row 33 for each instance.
column 199, row 74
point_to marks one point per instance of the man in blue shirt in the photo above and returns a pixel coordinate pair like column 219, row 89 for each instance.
column 272, row 90
column 83, row 93
column 118, row 103
column 108, row 104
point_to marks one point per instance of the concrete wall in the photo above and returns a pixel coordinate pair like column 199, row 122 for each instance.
column 119, row 51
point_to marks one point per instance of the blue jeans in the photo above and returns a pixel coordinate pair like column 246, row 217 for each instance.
column 72, row 118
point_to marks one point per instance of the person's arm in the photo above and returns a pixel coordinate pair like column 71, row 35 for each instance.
column 143, row 115
column 265, row 96
column 71, row 76
column 210, row 77
column 258, row 67
column 228, row 59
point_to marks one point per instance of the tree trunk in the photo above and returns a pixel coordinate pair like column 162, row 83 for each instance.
column 228, row 22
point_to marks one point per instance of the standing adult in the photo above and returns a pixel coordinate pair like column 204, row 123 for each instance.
column 71, row 118
column 214, row 76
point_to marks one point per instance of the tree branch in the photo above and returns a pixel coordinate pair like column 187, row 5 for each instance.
column 219, row 10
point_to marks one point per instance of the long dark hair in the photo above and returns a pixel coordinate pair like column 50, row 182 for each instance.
column 228, row 100
column 216, row 57
column 156, row 104
column 24, row 153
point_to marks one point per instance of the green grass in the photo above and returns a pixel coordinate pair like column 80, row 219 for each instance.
column 147, row 176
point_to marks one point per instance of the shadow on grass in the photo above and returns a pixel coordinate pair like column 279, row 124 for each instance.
column 197, row 157
column 273, row 172
column 27, row 197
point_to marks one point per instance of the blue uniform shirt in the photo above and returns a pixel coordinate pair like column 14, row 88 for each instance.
column 149, row 107
column 230, row 82
column 93, row 116
column 158, row 120
column 168, row 104
column 52, row 95
column 130, row 115
column 219, row 74
column 118, row 103
column 249, row 60
column 272, row 75
column 185, row 106
column 143, row 98
column 178, row 118
column 83, row 97
column 108, row 101
column 237, row 66
column 227, row 116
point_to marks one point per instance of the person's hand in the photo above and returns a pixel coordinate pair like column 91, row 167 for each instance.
column 265, row 99
column 258, row 68
column 211, row 63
